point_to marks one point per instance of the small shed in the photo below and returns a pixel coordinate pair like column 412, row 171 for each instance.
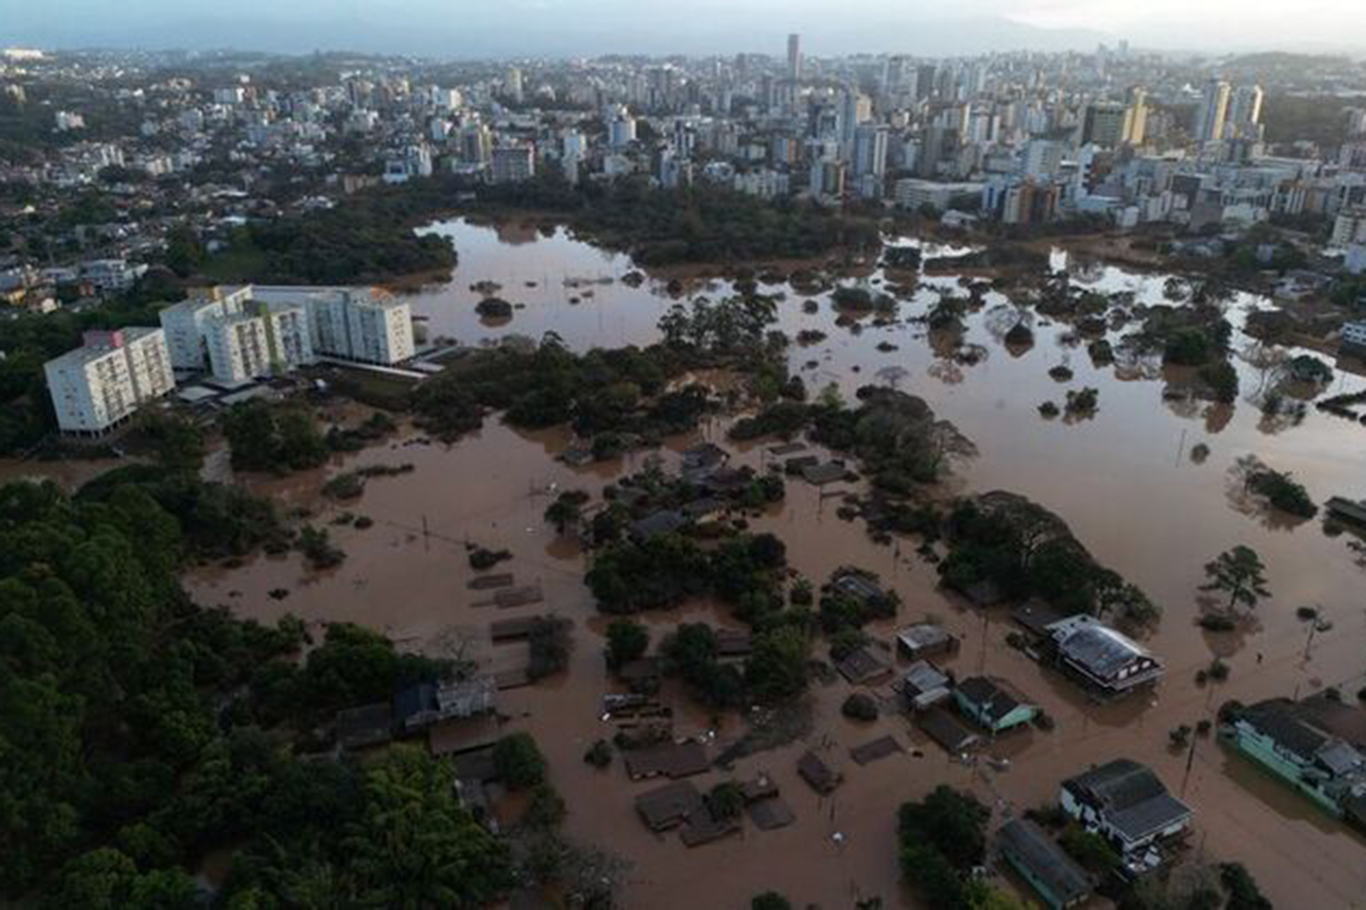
column 822, row 474
column 863, row 668
column 669, row 806
column 822, row 778
column 925, row 639
column 924, row 685
column 950, row 732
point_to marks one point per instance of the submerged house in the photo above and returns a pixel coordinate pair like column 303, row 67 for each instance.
column 1128, row 805
column 993, row 704
column 1107, row 661
column 924, row 640
column 923, row 686
column 425, row 704
column 1053, row 875
column 1318, row 746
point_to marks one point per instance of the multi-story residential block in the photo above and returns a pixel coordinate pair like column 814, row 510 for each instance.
column 103, row 382
column 512, row 163
column 257, row 330
column 360, row 324
column 185, row 323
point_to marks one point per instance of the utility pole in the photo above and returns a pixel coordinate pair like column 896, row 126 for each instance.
column 1190, row 760
column 982, row 656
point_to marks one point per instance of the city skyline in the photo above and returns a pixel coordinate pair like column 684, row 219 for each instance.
column 557, row 28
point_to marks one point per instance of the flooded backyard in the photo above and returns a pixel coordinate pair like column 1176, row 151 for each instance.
column 1125, row 480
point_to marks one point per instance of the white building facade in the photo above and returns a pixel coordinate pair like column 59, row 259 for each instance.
column 254, row 331
column 102, row 383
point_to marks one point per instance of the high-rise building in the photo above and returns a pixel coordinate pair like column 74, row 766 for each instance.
column 1213, row 112
column 855, row 109
column 621, row 130
column 1136, row 117
column 265, row 330
column 185, row 323
column 794, row 56
column 360, row 324
column 1103, row 124
column 924, row 81
column 1245, row 112
column 103, row 382
column 476, row 144
column 263, row 339
column 512, row 163
column 1042, row 158
column 512, row 85
column 870, row 151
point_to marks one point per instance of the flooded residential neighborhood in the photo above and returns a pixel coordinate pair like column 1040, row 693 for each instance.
column 760, row 456
column 1125, row 480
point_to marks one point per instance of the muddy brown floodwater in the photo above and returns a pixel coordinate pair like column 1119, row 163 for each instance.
column 1124, row 480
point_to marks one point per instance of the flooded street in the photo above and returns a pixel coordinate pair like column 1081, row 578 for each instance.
column 1124, row 480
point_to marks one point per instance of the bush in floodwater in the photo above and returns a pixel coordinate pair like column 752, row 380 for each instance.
column 627, row 640
column 481, row 558
column 859, row 707
column 1217, row 622
column 317, row 548
column 1283, row 492
column 518, row 761
column 725, row 800
column 599, row 755
column 548, row 646
column 344, row 486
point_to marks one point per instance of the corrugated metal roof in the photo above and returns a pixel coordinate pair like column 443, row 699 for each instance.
column 1026, row 844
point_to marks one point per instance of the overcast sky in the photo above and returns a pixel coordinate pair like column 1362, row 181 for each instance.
column 479, row 28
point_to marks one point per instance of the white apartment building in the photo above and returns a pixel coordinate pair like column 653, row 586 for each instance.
column 349, row 323
column 1349, row 227
column 258, row 330
column 264, row 339
column 186, row 323
column 100, row 384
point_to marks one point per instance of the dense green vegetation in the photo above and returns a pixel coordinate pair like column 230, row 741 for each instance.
column 668, row 569
column 776, row 669
column 215, row 520
column 621, row 391
column 1240, row 573
column 703, row 223
column 941, row 839
column 368, row 237
column 264, row 437
column 1024, row 550
column 900, row 442
column 1283, row 492
column 140, row 732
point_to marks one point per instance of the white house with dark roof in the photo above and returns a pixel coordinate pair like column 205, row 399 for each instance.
column 1128, row 805
column 1105, row 659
